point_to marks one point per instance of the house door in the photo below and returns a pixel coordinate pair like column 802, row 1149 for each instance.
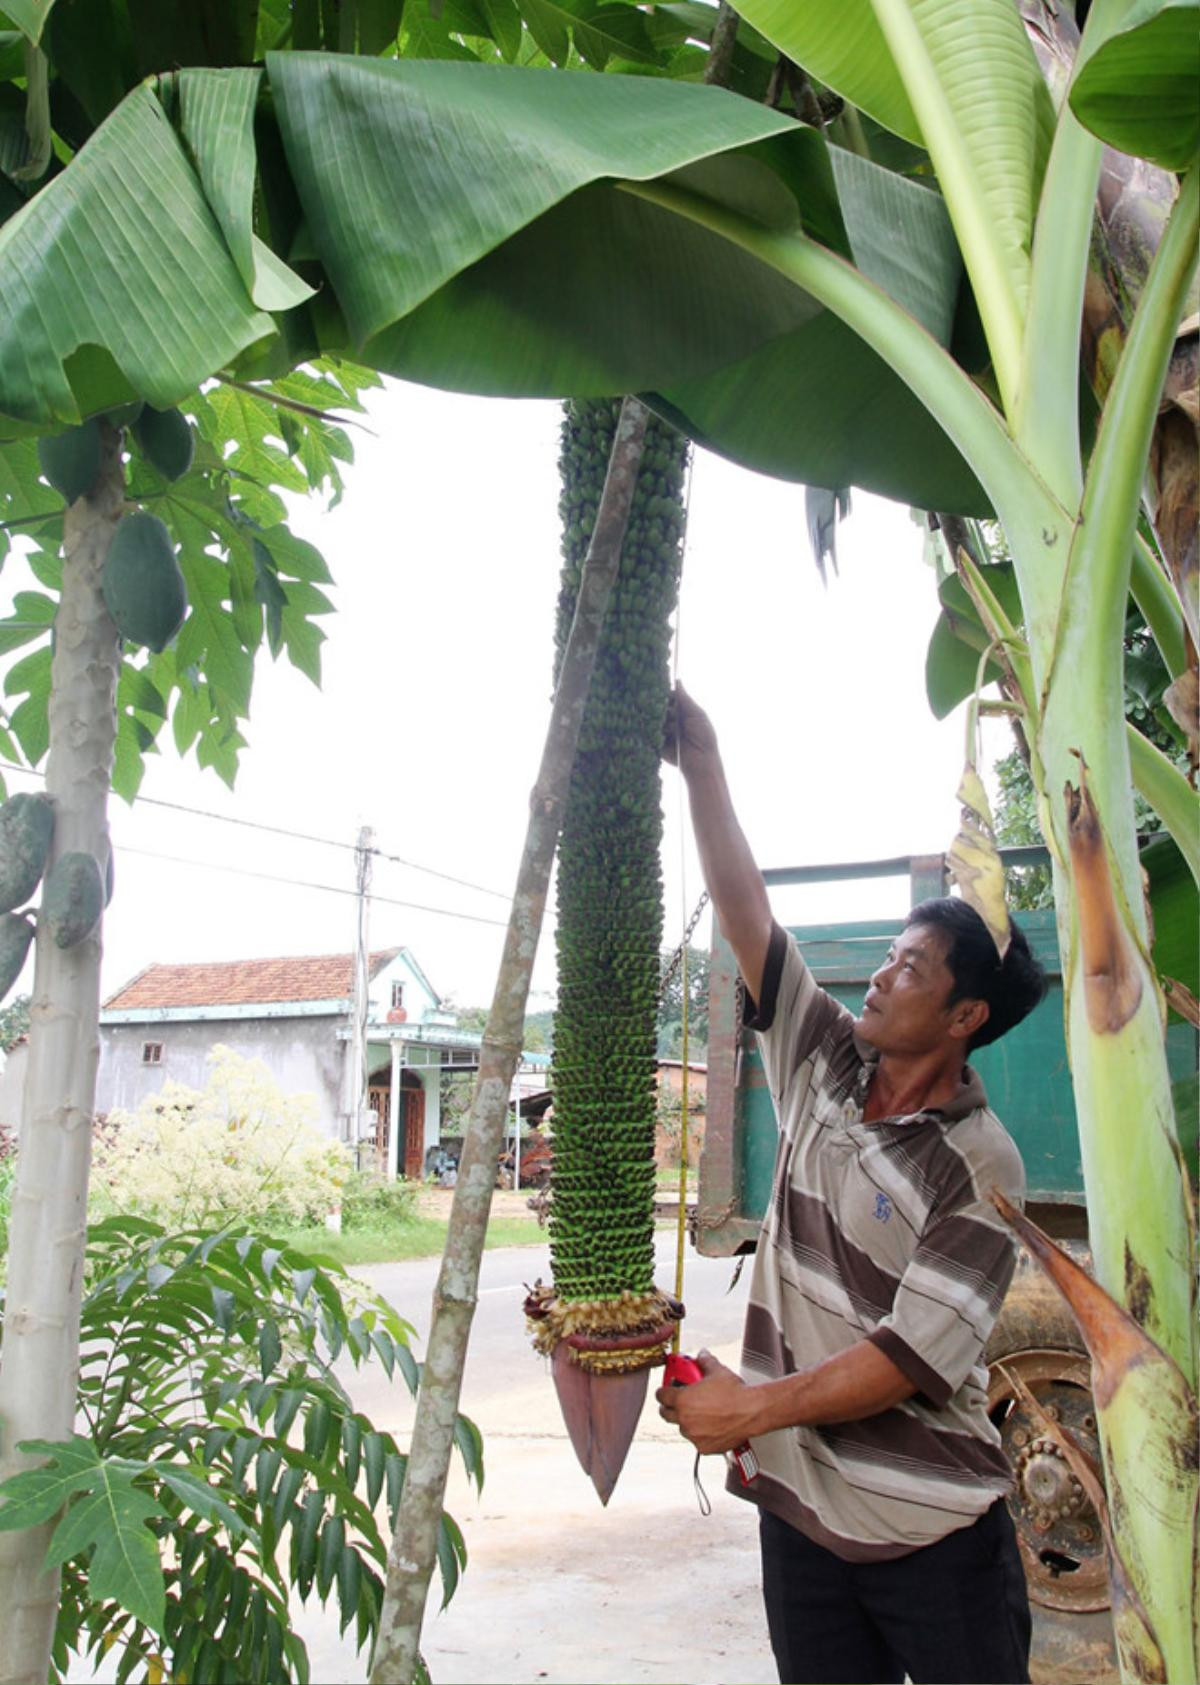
column 378, row 1100
column 412, row 1113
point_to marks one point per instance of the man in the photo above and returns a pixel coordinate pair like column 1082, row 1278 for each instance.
column 887, row 1547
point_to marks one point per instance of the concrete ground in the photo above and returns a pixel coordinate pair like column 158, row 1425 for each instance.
column 558, row 1588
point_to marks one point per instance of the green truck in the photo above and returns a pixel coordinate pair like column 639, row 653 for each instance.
column 1029, row 1086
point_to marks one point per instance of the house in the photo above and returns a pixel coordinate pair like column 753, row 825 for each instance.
column 669, row 1080
column 295, row 1014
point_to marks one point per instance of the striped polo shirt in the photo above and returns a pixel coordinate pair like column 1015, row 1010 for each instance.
column 880, row 1231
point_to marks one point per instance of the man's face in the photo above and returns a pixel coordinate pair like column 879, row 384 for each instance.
column 906, row 1008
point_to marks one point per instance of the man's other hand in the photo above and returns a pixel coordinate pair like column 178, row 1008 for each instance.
column 689, row 737
column 717, row 1413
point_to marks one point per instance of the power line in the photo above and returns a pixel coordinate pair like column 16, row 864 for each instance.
column 303, row 883
column 296, row 836
column 463, row 883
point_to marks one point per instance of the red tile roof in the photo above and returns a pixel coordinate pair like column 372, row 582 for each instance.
column 244, row 982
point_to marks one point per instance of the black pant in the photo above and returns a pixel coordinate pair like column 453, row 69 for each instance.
column 953, row 1611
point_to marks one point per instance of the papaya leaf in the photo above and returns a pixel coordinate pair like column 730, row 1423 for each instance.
column 34, row 1495
column 29, row 721
column 104, row 1521
column 31, row 618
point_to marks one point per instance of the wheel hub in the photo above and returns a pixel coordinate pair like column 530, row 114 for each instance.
column 1058, row 1530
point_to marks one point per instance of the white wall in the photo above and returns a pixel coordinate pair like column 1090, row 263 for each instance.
column 303, row 1055
column 419, row 1003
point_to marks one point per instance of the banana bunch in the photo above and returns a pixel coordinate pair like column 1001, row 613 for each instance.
column 609, row 879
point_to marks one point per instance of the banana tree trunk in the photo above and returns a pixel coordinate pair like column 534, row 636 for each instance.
column 40, row 1355
column 1139, row 1209
column 414, row 1546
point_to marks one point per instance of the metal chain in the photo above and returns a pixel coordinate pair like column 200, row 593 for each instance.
column 676, row 959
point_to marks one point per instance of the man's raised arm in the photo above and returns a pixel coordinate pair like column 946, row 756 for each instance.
column 734, row 880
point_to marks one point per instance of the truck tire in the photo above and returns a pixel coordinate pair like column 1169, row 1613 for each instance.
column 1058, row 1531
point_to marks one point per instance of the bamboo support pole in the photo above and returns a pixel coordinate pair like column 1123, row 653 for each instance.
column 414, row 1545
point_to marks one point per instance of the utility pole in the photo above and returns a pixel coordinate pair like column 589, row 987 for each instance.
column 356, row 1064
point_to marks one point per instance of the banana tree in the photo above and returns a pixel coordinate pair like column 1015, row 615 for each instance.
column 801, row 309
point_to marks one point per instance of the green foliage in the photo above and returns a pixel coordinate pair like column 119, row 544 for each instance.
column 371, row 1202
column 1138, row 92
column 609, row 880
column 248, row 578
column 457, row 1088
column 223, row 1466
column 1017, row 825
column 1026, row 887
column 14, row 1023
column 670, row 1007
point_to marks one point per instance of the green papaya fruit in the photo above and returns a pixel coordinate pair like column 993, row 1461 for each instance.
column 26, row 830
column 73, row 898
column 125, row 415
column 16, row 934
column 109, row 878
column 142, row 582
column 166, row 441
column 71, row 460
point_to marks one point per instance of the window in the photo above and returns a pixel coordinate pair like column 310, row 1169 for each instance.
column 397, row 995
column 152, row 1053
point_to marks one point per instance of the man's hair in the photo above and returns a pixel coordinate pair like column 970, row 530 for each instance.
column 1011, row 988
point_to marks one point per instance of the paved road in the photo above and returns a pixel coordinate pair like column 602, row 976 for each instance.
column 557, row 1588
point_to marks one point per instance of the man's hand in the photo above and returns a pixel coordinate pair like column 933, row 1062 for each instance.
column 689, row 739
column 717, row 1413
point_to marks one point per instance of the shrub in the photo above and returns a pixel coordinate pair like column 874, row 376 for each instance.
column 372, row 1202
column 239, row 1147
column 220, row 1466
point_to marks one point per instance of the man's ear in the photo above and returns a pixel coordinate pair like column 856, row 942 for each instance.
column 968, row 1016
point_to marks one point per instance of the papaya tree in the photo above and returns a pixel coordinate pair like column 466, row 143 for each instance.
column 160, row 563
column 155, row 587
column 749, row 276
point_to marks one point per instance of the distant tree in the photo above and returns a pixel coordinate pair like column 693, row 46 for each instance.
column 1146, row 684
column 670, row 1008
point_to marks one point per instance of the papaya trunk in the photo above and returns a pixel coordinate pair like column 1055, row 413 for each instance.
column 414, row 1545
column 40, row 1355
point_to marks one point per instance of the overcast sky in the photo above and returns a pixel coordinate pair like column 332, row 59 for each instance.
column 430, row 720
